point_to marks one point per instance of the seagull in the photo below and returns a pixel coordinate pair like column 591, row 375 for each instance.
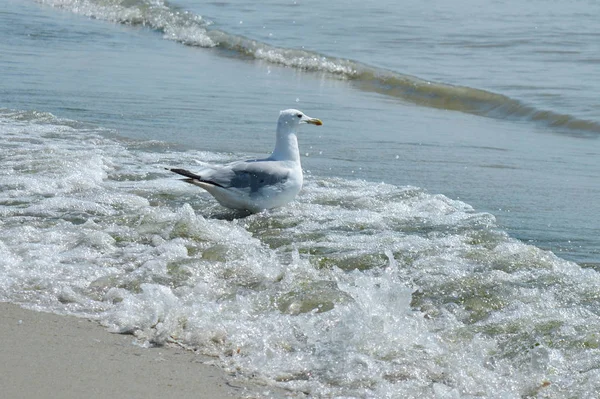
column 258, row 184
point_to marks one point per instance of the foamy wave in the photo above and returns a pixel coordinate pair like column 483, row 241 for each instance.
column 304, row 60
column 177, row 25
column 301, row 59
column 356, row 289
column 188, row 35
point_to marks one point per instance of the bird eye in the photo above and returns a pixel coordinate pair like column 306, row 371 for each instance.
column 299, row 115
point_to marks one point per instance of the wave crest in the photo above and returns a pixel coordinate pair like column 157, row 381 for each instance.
column 192, row 30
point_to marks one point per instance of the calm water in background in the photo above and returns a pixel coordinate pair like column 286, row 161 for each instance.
column 491, row 104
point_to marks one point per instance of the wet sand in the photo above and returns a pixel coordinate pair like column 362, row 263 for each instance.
column 46, row 355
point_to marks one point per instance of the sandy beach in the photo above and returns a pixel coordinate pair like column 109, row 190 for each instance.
column 51, row 356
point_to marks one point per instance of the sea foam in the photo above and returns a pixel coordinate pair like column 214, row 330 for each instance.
column 357, row 289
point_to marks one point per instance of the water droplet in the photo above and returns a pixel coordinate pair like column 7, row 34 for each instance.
column 297, row 99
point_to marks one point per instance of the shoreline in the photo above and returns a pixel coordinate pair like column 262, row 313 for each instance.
column 48, row 355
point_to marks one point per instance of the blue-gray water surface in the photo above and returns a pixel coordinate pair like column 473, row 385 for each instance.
column 446, row 240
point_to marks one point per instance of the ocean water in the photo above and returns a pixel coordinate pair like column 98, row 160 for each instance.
column 446, row 243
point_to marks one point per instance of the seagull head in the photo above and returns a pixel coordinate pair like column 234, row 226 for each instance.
column 291, row 118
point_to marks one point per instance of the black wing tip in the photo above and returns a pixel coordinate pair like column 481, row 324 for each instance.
column 184, row 172
column 191, row 177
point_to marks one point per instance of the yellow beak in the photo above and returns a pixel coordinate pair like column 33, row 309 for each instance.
column 314, row 121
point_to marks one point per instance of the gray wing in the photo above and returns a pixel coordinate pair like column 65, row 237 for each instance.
column 249, row 176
